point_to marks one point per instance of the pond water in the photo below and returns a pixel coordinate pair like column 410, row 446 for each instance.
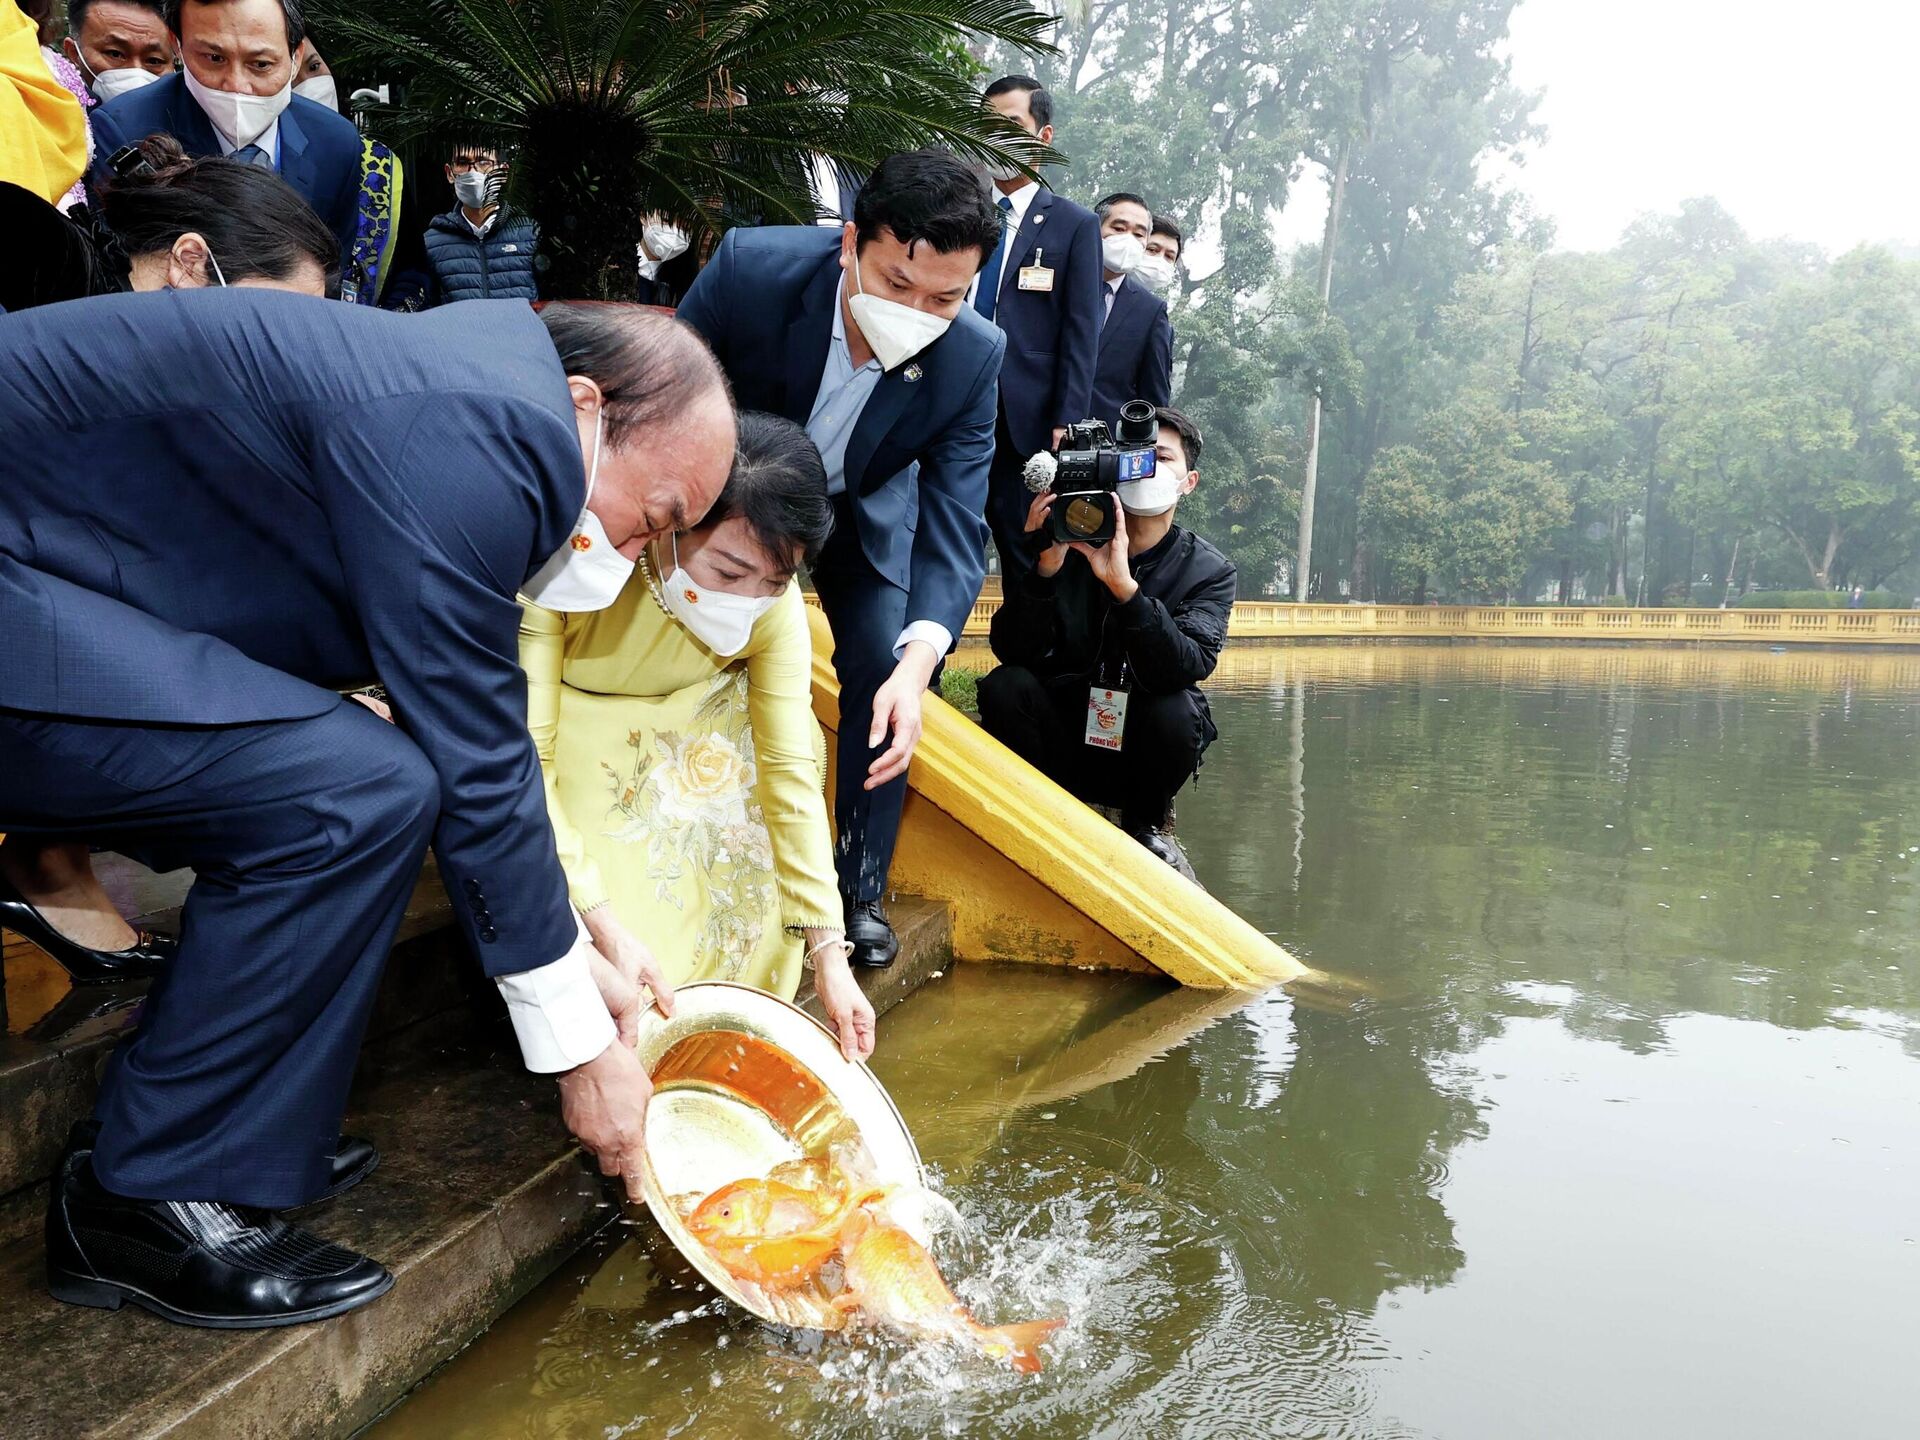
column 1618, row 1135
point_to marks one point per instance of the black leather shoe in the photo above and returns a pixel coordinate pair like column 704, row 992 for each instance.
column 874, row 944
column 139, row 961
column 1164, row 847
column 353, row 1159
column 196, row 1262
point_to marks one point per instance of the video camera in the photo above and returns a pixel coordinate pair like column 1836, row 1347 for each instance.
column 1088, row 469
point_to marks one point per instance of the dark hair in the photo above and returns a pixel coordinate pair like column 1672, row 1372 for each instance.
column 779, row 484
column 296, row 18
column 650, row 368
column 1163, row 226
column 255, row 224
column 929, row 195
column 40, row 12
column 1121, row 197
column 1039, row 98
column 1188, row 432
column 78, row 10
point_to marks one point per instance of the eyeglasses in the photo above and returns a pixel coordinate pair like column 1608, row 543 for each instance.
column 475, row 162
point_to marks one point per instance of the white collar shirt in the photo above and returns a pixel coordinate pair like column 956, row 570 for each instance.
column 1022, row 202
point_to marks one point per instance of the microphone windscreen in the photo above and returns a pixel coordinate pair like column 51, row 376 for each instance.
column 1039, row 472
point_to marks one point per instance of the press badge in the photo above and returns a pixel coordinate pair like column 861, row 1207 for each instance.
column 1106, row 717
column 1036, row 276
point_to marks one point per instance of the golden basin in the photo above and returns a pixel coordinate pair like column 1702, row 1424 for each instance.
column 741, row 1082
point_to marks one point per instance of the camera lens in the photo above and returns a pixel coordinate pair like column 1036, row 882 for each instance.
column 1083, row 518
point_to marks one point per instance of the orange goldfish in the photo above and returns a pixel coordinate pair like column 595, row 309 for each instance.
column 891, row 1278
column 773, row 1233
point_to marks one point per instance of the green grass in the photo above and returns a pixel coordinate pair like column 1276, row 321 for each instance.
column 960, row 688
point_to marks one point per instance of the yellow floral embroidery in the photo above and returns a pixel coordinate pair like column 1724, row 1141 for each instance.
column 689, row 800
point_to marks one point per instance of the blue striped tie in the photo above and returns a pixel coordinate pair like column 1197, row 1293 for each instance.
column 988, row 290
column 252, row 155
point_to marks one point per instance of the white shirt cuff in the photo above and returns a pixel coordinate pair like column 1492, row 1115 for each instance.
column 558, row 1015
column 931, row 631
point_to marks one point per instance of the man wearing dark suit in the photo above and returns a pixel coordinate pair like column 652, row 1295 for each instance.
column 254, row 501
column 235, row 97
column 863, row 335
column 1042, row 287
column 1136, row 342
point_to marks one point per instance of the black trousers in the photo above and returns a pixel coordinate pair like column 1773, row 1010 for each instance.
column 867, row 612
column 1045, row 721
column 1008, row 501
column 306, row 837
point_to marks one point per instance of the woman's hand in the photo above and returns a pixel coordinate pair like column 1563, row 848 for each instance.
column 631, row 959
column 849, row 1011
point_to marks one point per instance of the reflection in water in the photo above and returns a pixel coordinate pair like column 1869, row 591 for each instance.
column 1626, row 1141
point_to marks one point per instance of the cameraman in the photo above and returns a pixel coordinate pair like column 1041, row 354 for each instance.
column 1144, row 615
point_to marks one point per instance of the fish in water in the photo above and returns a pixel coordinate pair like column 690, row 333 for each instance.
column 775, row 1232
column 891, row 1279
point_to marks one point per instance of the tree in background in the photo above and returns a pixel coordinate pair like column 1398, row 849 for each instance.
column 706, row 111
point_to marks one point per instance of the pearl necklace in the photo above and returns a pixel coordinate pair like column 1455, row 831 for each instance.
column 653, row 584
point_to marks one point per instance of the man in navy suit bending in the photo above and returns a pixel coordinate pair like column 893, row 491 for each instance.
column 1042, row 287
column 863, row 335
column 1136, row 342
column 221, row 508
column 235, row 97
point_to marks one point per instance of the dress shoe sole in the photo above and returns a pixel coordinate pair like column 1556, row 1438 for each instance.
column 859, row 961
column 341, row 1186
column 111, row 1295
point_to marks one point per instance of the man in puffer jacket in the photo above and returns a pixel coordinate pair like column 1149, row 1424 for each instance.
column 480, row 249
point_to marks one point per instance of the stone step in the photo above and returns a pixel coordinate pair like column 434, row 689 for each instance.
column 479, row 1196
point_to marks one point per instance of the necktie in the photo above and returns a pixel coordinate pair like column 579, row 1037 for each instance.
column 252, row 155
column 988, row 290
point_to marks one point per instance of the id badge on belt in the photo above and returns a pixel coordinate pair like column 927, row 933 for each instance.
column 1106, row 717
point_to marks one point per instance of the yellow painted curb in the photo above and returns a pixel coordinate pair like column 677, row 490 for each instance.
column 1034, row 875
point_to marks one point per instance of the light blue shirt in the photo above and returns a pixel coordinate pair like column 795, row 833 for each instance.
column 837, row 405
column 268, row 140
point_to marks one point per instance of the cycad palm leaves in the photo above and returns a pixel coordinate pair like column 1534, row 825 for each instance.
column 704, row 109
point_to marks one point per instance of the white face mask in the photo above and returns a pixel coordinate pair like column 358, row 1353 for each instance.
column 664, row 241
column 1122, row 253
column 719, row 619
column 321, row 90
column 896, row 332
column 470, row 189
column 1155, row 272
column 1154, row 495
column 242, row 119
column 586, row 573
column 109, row 84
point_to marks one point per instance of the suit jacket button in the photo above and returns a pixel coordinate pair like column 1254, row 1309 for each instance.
column 473, row 887
column 488, row 933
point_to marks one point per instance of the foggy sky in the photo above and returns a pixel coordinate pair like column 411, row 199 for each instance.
column 1800, row 118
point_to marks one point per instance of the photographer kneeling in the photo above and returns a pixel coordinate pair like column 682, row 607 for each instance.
column 1142, row 616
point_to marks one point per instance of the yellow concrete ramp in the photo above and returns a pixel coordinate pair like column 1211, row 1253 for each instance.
column 1034, row 875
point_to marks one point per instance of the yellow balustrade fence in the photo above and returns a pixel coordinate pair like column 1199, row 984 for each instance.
column 1281, row 620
